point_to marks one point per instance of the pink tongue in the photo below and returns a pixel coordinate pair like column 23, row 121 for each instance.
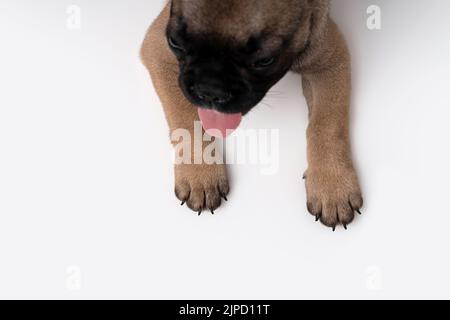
column 218, row 124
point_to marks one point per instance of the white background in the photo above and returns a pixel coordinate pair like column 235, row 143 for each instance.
column 86, row 185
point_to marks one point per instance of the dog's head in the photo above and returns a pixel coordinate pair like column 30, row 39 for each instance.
column 231, row 52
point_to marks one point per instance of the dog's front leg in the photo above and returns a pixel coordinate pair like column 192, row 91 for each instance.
column 332, row 185
column 198, row 184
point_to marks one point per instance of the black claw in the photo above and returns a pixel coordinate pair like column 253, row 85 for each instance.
column 334, row 228
column 345, row 226
column 225, row 198
column 182, row 203
column 199, row 213
column 318, row 217
column 304, row 177
column 359, row 211
column 212, row 211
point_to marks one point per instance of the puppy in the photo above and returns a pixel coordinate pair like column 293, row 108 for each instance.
column 214, row 60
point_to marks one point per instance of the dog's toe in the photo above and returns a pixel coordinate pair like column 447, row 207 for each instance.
column 201, row 187
column 333, row 197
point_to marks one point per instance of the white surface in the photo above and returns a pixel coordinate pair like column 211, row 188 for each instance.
column 86, row 189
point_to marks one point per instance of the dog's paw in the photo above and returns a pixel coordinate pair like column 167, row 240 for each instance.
column 333, row 195
column 201, row 187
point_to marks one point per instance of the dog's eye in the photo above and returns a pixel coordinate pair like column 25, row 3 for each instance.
column 174, row 45
column 264, row 63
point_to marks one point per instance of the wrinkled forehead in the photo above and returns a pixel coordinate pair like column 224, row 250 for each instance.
column 237, row 19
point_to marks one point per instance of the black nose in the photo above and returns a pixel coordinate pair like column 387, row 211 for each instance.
column 212, row 94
